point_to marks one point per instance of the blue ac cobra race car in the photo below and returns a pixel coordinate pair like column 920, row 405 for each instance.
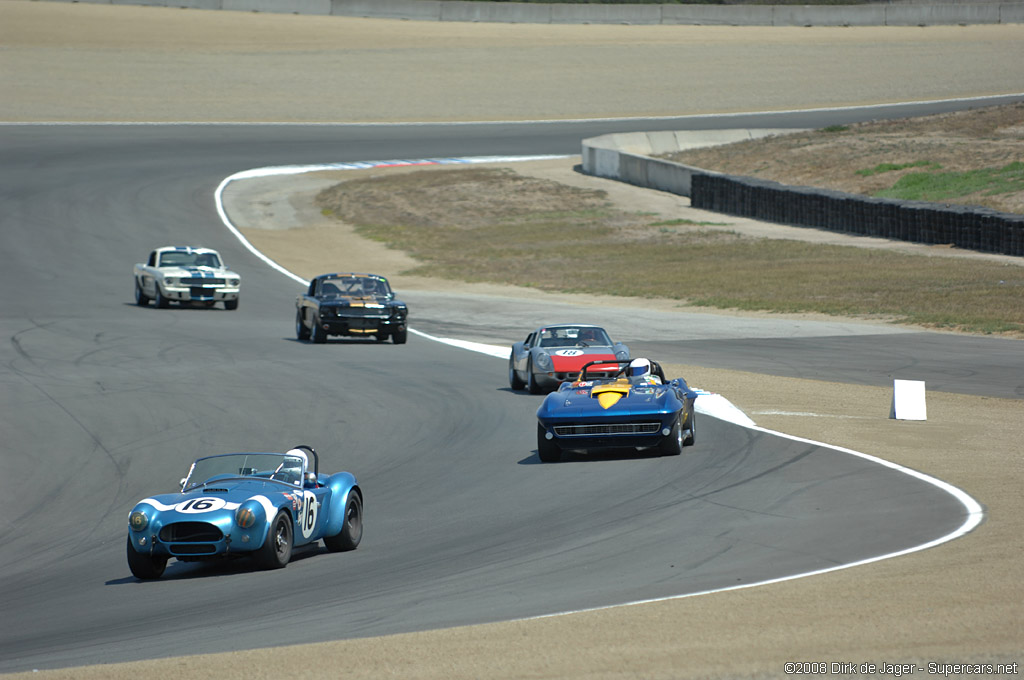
column 256, row 504
column 627, row 410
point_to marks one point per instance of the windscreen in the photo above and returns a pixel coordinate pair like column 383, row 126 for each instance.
column 277, row 466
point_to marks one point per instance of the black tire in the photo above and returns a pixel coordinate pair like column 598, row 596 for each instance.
column 141, row 299
column 399, row 337
column 513, row 378
column 672, row 445
column 547, row 450
column 301, row 332
column 276, row 551
column 231, row 305
column 691, row 425
column 159, row 300
column 352, row 530
column 531, row 382
column 319, row 334
column 145, row 567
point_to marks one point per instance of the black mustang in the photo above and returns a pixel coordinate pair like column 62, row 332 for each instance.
column 350, row 304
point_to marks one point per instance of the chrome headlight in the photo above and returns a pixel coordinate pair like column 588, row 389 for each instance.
column 544, row 361
column 622, row 354
column 234, row 282
column 171, row 281
column 138, row 520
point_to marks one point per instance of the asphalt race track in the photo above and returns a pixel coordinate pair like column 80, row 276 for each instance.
column 104, row 403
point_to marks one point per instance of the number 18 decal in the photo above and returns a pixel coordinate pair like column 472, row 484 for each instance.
column 307, row 519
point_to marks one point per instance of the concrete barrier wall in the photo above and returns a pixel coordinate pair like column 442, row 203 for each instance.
column 501, row 12
column 935, row 15
column 321, row 7
column 417, row 10
column 626, row 157
column 819, row 15
column 605, row 14
column 875, row 14
column 1012, row 13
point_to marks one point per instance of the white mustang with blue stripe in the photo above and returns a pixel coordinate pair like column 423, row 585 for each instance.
column 185, row 274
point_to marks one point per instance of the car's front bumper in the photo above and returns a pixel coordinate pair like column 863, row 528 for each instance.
column 634, row 431
column 360, row 325
column 200, row 293
column 233, row 540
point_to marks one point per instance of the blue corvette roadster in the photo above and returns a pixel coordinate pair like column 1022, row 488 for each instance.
column 624, row 411
column 258, row 504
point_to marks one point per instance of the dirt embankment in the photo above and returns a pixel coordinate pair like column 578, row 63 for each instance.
column 867, row 158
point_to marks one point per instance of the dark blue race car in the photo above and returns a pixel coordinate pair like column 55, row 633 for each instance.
column 257, row 504
column 636, row 408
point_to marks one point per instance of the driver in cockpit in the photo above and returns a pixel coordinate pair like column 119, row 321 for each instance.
column 640, row 373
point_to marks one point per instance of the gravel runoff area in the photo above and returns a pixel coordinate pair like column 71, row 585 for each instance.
column 956, row 603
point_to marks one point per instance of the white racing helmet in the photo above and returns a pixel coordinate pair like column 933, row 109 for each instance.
column 639, row 367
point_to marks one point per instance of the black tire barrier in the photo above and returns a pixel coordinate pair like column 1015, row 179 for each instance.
column 961, row 226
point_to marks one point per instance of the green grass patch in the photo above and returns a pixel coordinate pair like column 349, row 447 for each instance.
column 555, row 238
column 938, row 186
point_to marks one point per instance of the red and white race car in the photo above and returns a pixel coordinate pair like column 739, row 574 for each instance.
column 552, row 355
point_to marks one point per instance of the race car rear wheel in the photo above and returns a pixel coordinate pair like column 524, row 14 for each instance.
column 691, row 425
column 140, row 298
column 352, row 530
column 547, row 450
column 672, row 445
column 301, row 332
column 145, row 567
column 276, row 550
column 513, row 378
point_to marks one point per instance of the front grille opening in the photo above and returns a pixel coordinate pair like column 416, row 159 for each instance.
column 601, row 429
column 193, row 549
column 190, row 532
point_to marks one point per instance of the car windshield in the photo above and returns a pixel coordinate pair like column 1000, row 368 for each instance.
column 283, row 467
column 188, row 258
column 355, row 286
column 573, row 336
